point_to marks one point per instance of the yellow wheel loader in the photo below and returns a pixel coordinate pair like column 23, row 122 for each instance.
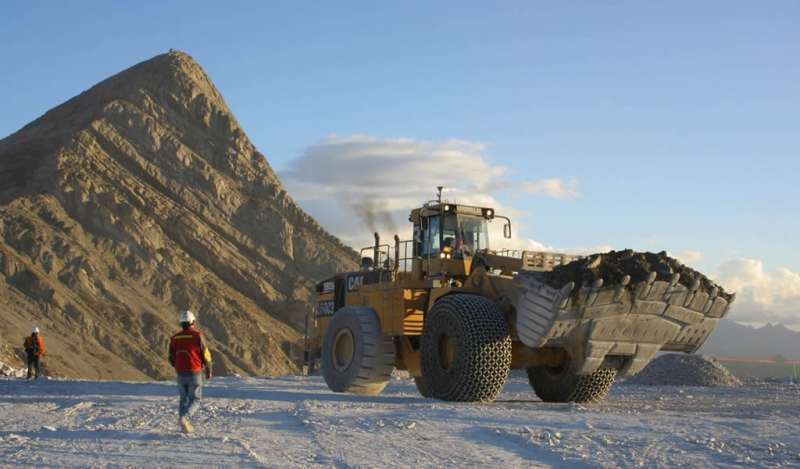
column 458, row 316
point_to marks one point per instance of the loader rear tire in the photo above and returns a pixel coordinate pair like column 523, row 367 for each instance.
column 422, row 386
column 466, row 349
column 356, row 356
column 562, row 384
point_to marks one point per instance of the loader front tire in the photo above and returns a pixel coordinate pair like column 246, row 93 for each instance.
column 356, row 356
column 562, row 384
column 466, row 349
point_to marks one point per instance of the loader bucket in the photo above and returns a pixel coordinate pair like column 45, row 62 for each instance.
column 629, row 321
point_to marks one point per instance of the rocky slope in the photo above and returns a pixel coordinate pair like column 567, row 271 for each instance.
column 138, row 198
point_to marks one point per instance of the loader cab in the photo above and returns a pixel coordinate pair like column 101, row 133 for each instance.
column 452, row 236
column 447, row 236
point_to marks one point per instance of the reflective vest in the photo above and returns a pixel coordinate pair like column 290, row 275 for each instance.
column 34, row 346
column 188, row 352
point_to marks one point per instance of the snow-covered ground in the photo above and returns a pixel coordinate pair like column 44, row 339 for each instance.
column 297, row 422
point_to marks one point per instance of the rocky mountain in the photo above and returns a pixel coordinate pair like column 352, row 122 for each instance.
column 137, row 198
column 731, row 339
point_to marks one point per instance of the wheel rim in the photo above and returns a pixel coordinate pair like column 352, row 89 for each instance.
column 447, row 351
column 343, row 349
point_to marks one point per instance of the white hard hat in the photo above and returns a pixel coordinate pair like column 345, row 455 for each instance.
column 187, row 316
column 35, row 330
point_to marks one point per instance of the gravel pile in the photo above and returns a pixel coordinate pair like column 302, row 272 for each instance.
column 614, row 265
column 677, row 369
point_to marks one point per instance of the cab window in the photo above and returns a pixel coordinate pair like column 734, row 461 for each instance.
column 432, row 244
column 464, row 234
column 450, row 231
column 474, row 232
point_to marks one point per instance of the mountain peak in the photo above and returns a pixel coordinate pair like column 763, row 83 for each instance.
column 174, row 75
column 777, row 328
column 170, row 91
column 175, row 70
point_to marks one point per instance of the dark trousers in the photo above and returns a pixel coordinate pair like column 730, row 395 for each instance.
column 34, row 366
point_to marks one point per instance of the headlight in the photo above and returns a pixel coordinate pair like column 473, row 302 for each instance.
column 442, row 255
column 446, row 208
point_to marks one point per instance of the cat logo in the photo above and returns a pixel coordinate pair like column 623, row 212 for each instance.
column 355, row 282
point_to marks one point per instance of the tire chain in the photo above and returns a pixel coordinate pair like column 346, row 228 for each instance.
column 485, row 355
column 593, row 387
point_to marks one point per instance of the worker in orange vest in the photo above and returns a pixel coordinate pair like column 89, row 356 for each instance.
column 34, row 349
column 191, row 359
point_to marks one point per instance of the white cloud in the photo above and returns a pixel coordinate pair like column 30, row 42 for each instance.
column 553, row 187
column 762, row 296
column 690, row 257
column 358, row 184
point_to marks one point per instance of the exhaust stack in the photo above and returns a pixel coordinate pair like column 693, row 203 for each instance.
column 396, row 252
column 377, row 251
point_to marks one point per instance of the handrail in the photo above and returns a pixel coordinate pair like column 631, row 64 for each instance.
column 401, row 261
column 509, row 253
column 383, row 251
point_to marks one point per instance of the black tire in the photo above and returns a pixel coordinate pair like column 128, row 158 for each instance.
column 466, row 349
column 422, row 386
column 562, row 384
column 356, row 356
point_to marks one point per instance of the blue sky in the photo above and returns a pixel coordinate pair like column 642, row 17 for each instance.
column 679, row 122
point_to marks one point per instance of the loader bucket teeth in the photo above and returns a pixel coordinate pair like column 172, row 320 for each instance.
column 633, row 321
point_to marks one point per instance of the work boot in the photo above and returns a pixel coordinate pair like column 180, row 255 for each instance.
column 186, row 427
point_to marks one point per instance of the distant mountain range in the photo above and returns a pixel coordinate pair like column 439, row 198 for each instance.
column 731, row 339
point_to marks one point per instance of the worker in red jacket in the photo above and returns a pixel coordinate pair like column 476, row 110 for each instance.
column 191, row 359
column 34, row 349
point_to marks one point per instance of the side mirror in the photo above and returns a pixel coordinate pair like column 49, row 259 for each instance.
column 506, row 227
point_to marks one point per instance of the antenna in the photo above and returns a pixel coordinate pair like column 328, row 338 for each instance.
column 439, row 193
